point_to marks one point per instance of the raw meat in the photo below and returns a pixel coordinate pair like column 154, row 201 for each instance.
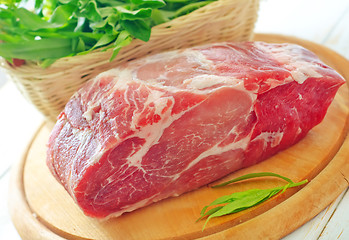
column 170, row 123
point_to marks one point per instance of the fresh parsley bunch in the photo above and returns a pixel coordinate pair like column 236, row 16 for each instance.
column 46, row 30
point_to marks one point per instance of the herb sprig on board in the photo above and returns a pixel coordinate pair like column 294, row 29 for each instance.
column 239, row 201
column 46, row 30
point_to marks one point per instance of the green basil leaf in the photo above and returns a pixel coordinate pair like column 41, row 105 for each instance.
column 133, row 15
column 122, row 40
column 149, row 3
column 39, row 4
column 179, row 1
column 9, row 38
column 89, row 9
column 191, row 7
column 159, row 17
column 32, row 21
column 71, row 2
column 6, row 15
column 37, row 49
column 78, row 45
column 9, row 2
column 62, row 14
column 106, row 11
column 137, row 28
column 111, row 3
column 104, row 40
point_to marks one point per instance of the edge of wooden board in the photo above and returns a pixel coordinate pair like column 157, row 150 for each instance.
column 273, row 221
column 23, row 218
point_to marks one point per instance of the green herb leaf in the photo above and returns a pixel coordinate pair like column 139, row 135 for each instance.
column 37, row 49
column 123, row 40
column 191, row 7
column 89, row 9
column 32, row 21
column 209, row 212
column 253, row 175
column 240, row 201
column 149, row 3
column 133, row 15
column 62, row 14
column 104, row 40
column 80, row 45
column 137, row 28
column 9, row 1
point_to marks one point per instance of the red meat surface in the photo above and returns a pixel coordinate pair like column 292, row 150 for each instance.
column 172, row 122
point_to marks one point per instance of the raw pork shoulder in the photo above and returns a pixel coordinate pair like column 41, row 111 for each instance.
column 172, row 122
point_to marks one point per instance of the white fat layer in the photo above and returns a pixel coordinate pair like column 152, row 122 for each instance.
column 152, row 134
column 275, row 83
column 198, row 57
column 88, row 113
column 156, row 98
column 217, row 149
column 299, row 131
column 98, row 154
column 274, row 138
column 193, row 56
column 303, row 71
column 121, row 75
column 121, row 79
column 206, row 81
column 84, row 137
column 293, row 59
column 68, row 178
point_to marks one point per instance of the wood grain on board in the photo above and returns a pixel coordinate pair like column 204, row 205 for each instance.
column 41, row 208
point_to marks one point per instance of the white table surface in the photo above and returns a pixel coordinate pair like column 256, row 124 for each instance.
column 321, row 21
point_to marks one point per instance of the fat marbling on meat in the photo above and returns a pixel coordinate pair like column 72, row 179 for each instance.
column 169, row 123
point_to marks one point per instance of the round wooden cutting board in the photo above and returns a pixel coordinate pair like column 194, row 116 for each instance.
column 42, row 209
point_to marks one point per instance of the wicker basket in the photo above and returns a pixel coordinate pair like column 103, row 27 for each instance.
column 49, row 89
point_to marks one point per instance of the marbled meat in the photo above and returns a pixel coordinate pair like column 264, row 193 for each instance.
column 169, row 123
